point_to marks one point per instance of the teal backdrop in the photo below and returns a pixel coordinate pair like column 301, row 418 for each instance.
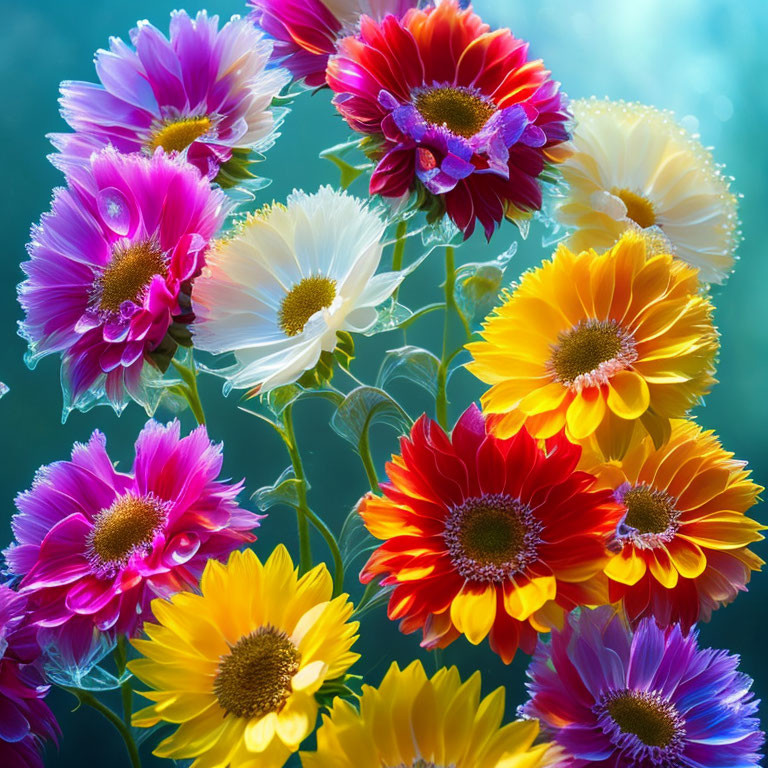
column 702, row 58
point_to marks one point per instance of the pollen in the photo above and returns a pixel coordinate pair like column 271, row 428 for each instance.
column 254, row 678
column 305, row 298
column 491, row 537
column 129, row 273
column 639, row 209
column 177, row 135
column 588, row 353
column 128, row 526
column 458, row 109
column 648, row 510
column 645, row 715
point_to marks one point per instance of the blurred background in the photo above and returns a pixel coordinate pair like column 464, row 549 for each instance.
column 704, row 60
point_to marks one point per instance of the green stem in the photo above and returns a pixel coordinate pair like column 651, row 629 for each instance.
column 126, row 687
column 370, row 592
column 420, row 313
column 364, row 449
column 305, row 547
column 189, row 390
column 333, row 545
column 84, row 697
column 398, row 252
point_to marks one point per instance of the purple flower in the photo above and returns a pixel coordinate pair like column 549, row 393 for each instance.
column 25, row 720
column 205, row 91
column 111, row 270
column 616, row 699
column 94, row 546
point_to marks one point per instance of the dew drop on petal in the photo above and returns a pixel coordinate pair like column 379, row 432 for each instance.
column 115, row 211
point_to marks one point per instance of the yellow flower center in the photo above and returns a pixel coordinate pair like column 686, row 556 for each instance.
column 177, row 135
column 305, row 298
column 129, row 525
column 650, row 718
column 639, row 209
column 648, row 510
column 128, row 274
column 591, row 351
column 459, row 110
column 254, row 678
column 491, row 537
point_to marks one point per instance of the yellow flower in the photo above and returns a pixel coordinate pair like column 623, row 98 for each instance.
column 412, row 721
column 634, row 166
column 614, row 345
column 238, row 666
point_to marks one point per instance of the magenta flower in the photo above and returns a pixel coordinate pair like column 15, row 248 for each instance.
column 25, row 720
column 306, row 31
column 205, row 91
column 94, row 546
column 111, row 270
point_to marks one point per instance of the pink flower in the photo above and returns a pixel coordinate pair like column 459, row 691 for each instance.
column 94, row 546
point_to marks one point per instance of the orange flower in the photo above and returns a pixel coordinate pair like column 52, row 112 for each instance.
column 615, row 345
column 684, row 536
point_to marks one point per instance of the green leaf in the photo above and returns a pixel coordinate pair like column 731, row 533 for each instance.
column 349, row 172
column 478, row 285
column 355, row 540
column 285, row 490
column 363, row 407
column 413, row 363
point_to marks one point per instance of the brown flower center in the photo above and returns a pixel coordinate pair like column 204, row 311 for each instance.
column 650, row 718
column 254, row 678
column 128, row 274
column 459, row 110
column 639, row 209
column 305, row 298
column 128, row 526
column 177, row 135
column 593, row 348
column 648, row 510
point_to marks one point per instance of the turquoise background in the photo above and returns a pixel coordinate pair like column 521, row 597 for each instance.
column 698, row 57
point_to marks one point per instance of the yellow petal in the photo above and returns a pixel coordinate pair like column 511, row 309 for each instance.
column 526, row 598
column 628, row 396
column 585, row 413
column 627, row 567
column 662, row 569
column 474, row 613
column 260, row 731
column 309, row 678
column 296, row 720
column 687, row 557
column 544, row 399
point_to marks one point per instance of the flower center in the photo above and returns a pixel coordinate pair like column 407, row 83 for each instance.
column 648, row 511
column 128, row 526
column 491, row 537
column 305, row 298
column 590, row 352
column 177, row 135
column 458, row 109
column 128, row 274
column 645, row 715
column 639, row 209
column 254, row 679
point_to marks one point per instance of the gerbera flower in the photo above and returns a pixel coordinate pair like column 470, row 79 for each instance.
column 454, row 111
column 415, row 720
column 95, row 545
column 634, row 166
column 484, row 535
column 278, row 291
column 110, row 272
column 607, row 344
column 684, row 534
column 238, row 666
column 615, row 699
column 306, row 31
column 25, row 720
column 206, row 92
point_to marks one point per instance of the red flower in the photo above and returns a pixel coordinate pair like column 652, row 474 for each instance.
column 487, row 536
column 458, row 112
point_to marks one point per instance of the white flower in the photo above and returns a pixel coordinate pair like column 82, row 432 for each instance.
column 277, row 292
column 634, row 166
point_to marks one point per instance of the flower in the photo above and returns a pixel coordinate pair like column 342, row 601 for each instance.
column 25, row 720
column 484, row 535
column 614, row 698
column 94, row 545
column 306, row 31
column 279, row 290
column 238, row 666
column 615, row 345
column 684, row 536
column 634, row 166
column 206, row 92
column 452, row 110
column 110, row 272
column 413, row 720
